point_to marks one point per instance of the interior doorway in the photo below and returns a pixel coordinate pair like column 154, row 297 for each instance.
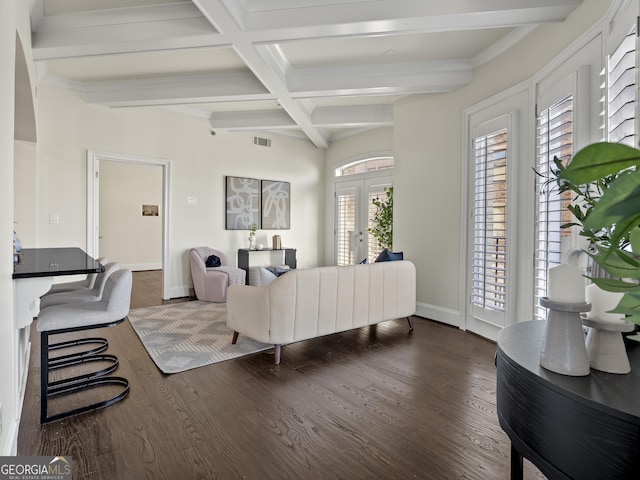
column 138, row 211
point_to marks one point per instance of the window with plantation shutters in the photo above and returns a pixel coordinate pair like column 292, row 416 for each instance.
column 489, row 255
column 554, row 138
column 346, row 225
column 621, row 91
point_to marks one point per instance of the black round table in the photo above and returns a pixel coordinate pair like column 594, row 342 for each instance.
column 569, row 427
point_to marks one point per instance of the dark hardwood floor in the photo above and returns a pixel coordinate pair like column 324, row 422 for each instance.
column 371, row 403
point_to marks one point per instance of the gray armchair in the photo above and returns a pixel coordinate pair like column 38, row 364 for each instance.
column 211, row 283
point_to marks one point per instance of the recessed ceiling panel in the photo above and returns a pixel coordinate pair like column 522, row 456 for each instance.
column 253, row 6
column 239, row 106
column 390, row 49
column 147, row 64
column 355, row 101
column 59, row 7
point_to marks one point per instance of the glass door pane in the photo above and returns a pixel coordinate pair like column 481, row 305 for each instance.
column 347, row 224
column 354, row 213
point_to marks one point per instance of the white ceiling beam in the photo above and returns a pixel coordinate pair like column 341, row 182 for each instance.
column 253, row 120
column 353, row 116
column 302, row 83
column 223, row 87
column 394, row 16
column 256, row 28
column 137, row 28
column 271, row 78
column 369, row 116
column 379, row 79
column 117, row 16
column 123, row 30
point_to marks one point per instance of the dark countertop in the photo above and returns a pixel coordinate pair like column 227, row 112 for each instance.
column 49, row 262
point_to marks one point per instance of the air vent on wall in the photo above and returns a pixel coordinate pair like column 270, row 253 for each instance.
column 263, row 142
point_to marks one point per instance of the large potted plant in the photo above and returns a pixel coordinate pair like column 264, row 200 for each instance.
column 382, row 229
column 605, row 180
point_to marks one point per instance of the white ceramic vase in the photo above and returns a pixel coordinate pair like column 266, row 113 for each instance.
column 563, row 348
column 252, row 242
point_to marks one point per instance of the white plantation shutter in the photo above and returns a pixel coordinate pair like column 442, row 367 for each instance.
column 622, row 92
column 346, row 224
column 490, row 222
column 554, row 139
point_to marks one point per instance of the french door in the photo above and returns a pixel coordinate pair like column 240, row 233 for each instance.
column 353, row 214
column 489, row 255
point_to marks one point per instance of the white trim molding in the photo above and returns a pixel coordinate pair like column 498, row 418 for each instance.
column 93, row 167
column 439, row 314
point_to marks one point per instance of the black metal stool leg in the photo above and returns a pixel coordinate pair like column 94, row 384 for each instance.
column 53, row 389
column 44, row 376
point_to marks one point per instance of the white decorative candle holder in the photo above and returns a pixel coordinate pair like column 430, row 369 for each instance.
column 605, row 345
column 563, row 348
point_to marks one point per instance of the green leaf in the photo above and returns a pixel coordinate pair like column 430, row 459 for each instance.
column 619, row 205
column 623, row 227
column 599, row 160
column 611, row 285
column 615, row 265
column 633, row 319
column 629, row 305
column 634, row 239
column 627, row 258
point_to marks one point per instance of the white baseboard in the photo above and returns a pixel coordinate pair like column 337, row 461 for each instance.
column 484, row 329
column 179, row 292
column 136, row 267
column 439, row 314
column 10, row 448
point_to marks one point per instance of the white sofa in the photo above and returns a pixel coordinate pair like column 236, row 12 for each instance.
column 308, row 303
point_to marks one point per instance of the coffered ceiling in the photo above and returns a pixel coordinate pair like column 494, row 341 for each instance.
column 319, row 69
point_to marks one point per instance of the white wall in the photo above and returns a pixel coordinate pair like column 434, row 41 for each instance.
column 428, row 149
column 25, row 174
column 126, row 236
column 7, row 342
column 14, row 19
column 199, row 163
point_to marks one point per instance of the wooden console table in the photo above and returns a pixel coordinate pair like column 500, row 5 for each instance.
column 244, row 260
column 569, row 427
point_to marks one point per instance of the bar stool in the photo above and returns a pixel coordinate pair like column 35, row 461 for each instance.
column 88, row 282
column 83, row 295
column 111, row 310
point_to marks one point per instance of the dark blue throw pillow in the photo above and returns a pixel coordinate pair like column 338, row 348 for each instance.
column 213, row 261
column 365, row 261
column 277, row 271
column 387, row 255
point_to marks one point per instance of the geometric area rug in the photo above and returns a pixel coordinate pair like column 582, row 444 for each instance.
column 182, row 336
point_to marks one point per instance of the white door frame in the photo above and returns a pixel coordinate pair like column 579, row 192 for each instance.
column 361, row 183
column 93, row 203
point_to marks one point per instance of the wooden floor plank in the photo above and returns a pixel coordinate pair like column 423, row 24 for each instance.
column 371, row 403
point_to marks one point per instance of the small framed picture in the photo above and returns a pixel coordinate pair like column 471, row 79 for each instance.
column 149, row 210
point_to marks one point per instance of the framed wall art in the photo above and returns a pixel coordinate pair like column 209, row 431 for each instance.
column 276, row 205
column 242, row 197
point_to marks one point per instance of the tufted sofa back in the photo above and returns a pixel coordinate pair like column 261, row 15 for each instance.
column 307, row 303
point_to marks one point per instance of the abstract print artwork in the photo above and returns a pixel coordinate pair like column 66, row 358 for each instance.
column 276, row 202
column 242, row 203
